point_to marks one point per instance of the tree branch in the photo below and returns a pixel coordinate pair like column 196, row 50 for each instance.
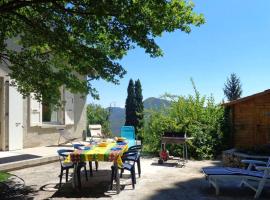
column 79, row 12
column 4, row 58
column 17, row 4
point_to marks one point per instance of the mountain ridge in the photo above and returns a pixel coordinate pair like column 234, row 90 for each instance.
column 117, row 114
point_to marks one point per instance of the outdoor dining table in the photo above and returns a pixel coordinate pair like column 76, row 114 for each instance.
column 107, row 151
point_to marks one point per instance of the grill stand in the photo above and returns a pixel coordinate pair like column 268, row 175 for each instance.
column 176, row 140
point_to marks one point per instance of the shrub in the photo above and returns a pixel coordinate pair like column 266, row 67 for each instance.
column 199, row 117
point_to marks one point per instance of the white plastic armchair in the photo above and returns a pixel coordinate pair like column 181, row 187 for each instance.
column 95, row 132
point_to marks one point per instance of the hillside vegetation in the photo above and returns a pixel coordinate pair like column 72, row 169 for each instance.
column 117, row 114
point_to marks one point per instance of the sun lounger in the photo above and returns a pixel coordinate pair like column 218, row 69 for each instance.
column 260, row 174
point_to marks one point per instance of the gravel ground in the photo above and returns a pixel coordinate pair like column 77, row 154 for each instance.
column 157, row 182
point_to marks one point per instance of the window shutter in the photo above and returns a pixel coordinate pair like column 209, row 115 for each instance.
column 69, row 107
column 35, row 112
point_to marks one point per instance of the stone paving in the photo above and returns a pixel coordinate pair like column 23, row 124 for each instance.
column 158, row 182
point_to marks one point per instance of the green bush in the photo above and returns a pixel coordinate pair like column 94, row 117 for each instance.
column 198, row 117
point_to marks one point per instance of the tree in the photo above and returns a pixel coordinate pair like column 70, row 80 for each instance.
column 98, row 115
column 139, row 105
column 62, row 41
column 233, row 88
column 130, row 105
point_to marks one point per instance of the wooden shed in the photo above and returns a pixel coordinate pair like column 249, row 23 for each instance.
column 250, row 117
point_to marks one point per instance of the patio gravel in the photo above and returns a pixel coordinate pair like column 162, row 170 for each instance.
column 158, row 182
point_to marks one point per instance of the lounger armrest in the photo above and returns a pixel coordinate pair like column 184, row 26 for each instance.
column 254, row 162
column 260, row 168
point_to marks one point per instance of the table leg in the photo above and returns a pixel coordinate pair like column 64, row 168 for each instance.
column 184, row 157
column 75, row 176
column 117, row 177
column 186, row 153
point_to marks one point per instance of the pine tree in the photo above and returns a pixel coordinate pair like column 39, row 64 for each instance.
column 233, row 88
column 130, row 105
column 139, row 105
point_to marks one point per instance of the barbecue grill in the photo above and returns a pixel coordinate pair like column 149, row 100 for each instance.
column 175, row 138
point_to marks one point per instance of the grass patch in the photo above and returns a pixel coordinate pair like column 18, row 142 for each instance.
column 4, row 176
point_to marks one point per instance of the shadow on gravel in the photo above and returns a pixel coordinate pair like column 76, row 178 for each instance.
column 97, row 186
column 15, row 189
column 199, row 189
column 165, row 164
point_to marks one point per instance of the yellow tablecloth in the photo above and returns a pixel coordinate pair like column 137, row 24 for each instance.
column 112, row 152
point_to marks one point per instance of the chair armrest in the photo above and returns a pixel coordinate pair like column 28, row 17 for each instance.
column 129, row 153
column 130, row 156
column 254, row 162
column 135, row 148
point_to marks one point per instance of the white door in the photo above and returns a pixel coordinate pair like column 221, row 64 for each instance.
column 15, row 121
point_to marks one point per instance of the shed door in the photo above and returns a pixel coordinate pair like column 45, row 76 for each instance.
column 15, row 119
column 263, row 124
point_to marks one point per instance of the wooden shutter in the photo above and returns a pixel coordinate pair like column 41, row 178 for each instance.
column 35, row 111
column 69, row 107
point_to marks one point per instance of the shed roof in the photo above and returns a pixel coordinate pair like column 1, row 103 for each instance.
column 247, row 98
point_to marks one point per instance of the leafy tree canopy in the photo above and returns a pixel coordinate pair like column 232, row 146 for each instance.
column 62, row 40
column 233, row 88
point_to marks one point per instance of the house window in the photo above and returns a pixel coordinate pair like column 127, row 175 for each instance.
column 51, row 114
column 45, row 114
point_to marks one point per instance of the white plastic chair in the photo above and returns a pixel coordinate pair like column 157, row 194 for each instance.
column 261, row 175
column 95, row 132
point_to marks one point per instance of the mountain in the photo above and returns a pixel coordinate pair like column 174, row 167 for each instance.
column 153, row 103
column 117, row 119
column 117, row 116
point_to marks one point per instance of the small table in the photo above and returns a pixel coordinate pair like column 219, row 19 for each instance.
column 112, row 152
column 177, row 140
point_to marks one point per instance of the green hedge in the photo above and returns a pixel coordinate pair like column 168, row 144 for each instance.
column 198, row 117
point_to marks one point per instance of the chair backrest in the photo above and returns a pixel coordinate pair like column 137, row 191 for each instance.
column 77, row 146
column 63, row 153
column 95, row 130
column 128, row 132
column 136, row 148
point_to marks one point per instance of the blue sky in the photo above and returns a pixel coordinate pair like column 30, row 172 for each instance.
column 235, row 38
